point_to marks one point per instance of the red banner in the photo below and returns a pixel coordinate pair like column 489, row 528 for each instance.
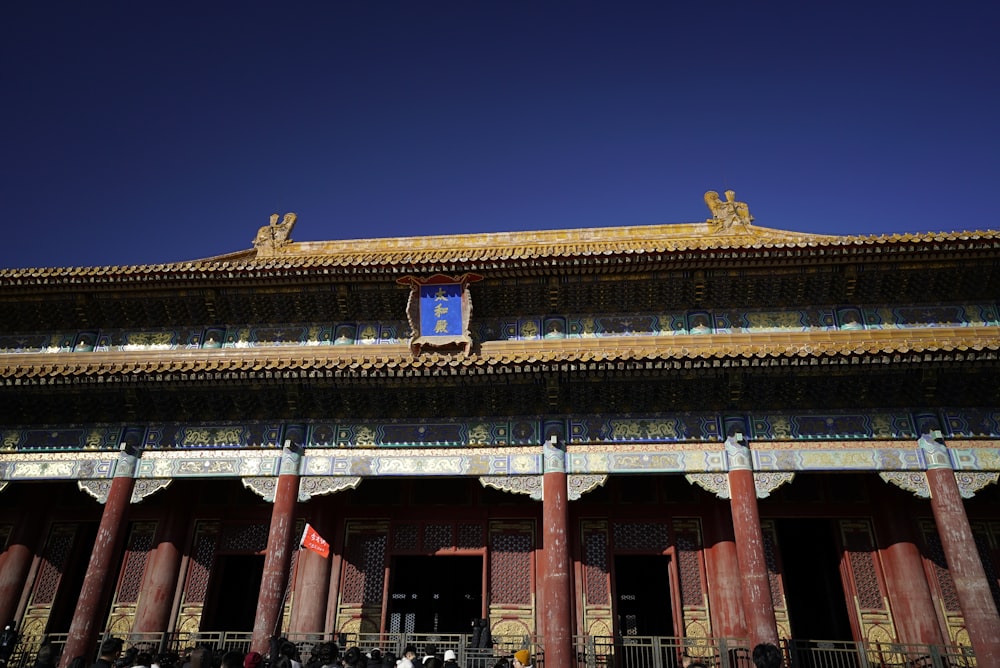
column 311, row 540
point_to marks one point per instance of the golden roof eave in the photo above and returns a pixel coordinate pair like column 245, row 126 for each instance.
column 425, row 253
column 365, row 359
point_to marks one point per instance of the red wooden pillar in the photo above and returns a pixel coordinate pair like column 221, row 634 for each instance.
column 971, row 586
column 556, row 590
column 15, row 562
column 910, row 596
column 160, row 584
column 279, row 552
column 722, row 569
column 86, row 624
column 755, row 585
column 312, row 584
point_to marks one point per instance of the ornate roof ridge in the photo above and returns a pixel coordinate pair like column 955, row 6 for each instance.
column 500, row 246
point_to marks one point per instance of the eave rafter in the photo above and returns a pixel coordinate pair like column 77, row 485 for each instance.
column 796, row 349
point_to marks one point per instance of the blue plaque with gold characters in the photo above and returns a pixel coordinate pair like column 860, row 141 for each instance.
column 438, row 311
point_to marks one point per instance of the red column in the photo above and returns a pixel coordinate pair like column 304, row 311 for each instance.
column 557, row 600
column 980, row 612
column 279, row 553
column 312, row 584
column 16, row 560
column 755, row 586
column 910, row 596
column 160, row 584
column 86, row 624
column 722, row 568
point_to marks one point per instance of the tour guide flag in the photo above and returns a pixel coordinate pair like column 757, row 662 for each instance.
column 311, row 540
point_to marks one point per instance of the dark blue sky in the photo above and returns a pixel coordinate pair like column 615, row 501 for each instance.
column 147, row 132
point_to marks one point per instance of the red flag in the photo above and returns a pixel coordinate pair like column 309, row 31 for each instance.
column 311, row 540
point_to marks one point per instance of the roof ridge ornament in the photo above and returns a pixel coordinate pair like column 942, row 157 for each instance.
column 273, row 237
column 727, row 214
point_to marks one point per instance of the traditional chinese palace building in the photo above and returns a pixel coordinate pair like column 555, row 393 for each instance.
column 712, row 429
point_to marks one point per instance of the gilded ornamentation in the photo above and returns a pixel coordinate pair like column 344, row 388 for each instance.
column 99, row 489
column 911, row 481
column 223, row 436
column 262, row 487
column 766, row 482
column 730, row 213
column 273, row 237
column 43, row 469
column 511, row 628
column 479, row 434
column 144, row 488
column 600, row 628
column 310, row 487
column 418, row 465
column 9, row 440
column 626, row 430
column 970, row 482
column 716, row 483
column 519, row 484
column 578, row 484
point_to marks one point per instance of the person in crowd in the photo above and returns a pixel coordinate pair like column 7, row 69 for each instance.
column 522, row 659
column 766, row 655
column 288, row 649
column 201, row 657
column 389, row 659
column 430, row 650
column 253, row 660
column 110, row 652
column 433, row 662
column 232, row 660
column 144, row 659
column 353, row 658
column 409, row 654
column 47, row 657
column 127, row 660
column 450, row 660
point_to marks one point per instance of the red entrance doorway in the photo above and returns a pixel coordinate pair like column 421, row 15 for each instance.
column 435, row 594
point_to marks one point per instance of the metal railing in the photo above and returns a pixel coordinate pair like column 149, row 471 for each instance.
column 589, row 651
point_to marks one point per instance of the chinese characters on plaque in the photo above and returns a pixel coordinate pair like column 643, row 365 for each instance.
column 438, row 310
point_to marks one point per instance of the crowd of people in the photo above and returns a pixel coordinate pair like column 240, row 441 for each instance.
column 284, row 654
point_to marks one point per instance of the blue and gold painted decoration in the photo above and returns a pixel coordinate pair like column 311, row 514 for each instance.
column 441, row 309
column 972, row 423
column 424, row 434
column 679, row 429
column 86, row 437
column 832, row 426
column 673, row 428
column 525, row 328
column 219, row 435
